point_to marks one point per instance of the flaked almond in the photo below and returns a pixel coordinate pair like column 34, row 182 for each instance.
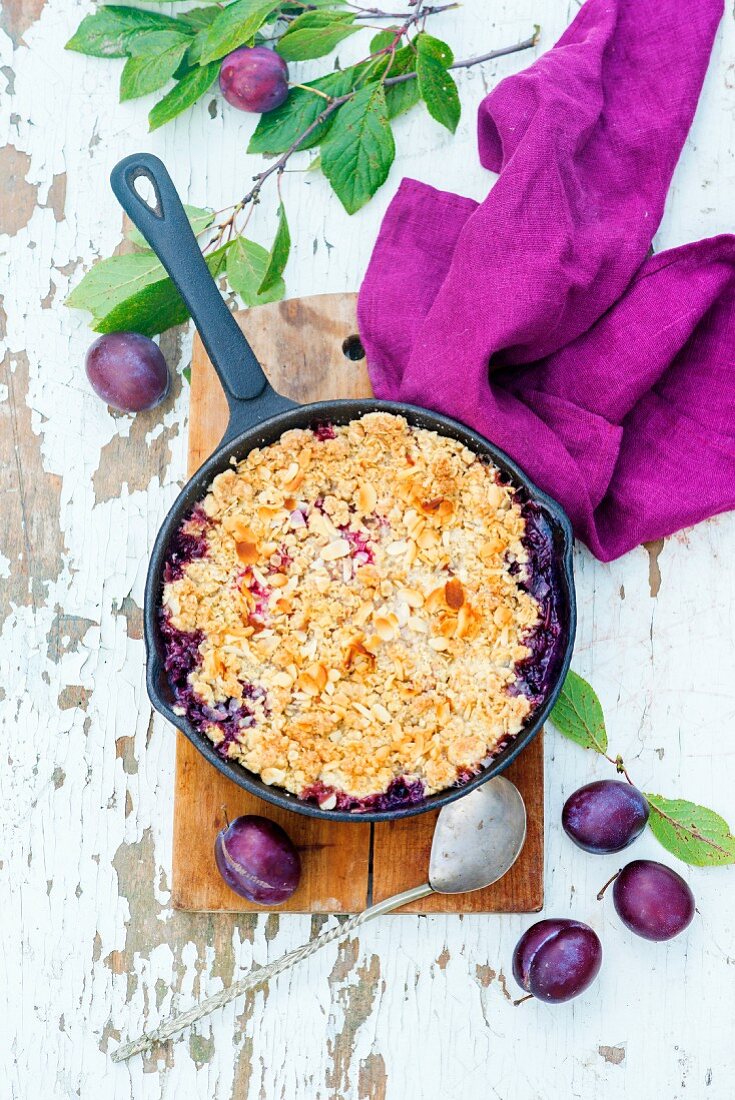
column 340, row 548
column 386, row 626
column 267, row 512
column 367, row 498
column 495, row 495
column 502, row 616
column 247, row 552
column 443, row 710
column 382, row 713
column 289, row 474
column 418, row 625
column 436, row 599
column 465, row 620
column 428, row 538
column 363, row 613
column 307, row 684
column 282, row 679
column 454, row 593
column 319, row 674
column 439, row 644
column 278, row 580
column 295, row 482
column 239, row 529
column 395, row 549
column 412, row 596
column 431, row 506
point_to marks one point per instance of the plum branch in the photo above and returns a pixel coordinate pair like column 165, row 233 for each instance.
column 334, row 103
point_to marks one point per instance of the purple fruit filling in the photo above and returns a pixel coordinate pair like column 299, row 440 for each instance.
column 401, row 792
column 324, row 431
column 182, row 657
column 189, row 543
column 536, row 672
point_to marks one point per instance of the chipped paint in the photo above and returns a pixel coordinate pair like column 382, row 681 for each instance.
column 17, row 16
column 17, row 195
column 613, row 1055
column 91, row 947
column 653, row 549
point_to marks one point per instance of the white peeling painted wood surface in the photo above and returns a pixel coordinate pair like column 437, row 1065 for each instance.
column 90, row 948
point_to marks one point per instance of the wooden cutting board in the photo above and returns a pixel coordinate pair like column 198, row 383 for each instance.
column 307, row 347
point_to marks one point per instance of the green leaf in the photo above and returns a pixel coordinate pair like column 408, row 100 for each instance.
column 436, row 85
column 234, row 26
column 578, row 714
column 109, row 31
column 315, row 34
column 383, row 39
column 199, row 219
column 246, row 267
column 110, row 281
column 133, row 293
column 359, row 149
column 186, row 375
column 153, row 60
column 278, row 255
column 693, row 833
column 277, row 130
column 199, row 18
column 184, row 94
column 401, row 97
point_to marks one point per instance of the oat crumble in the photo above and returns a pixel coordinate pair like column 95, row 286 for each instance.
column 348, row 610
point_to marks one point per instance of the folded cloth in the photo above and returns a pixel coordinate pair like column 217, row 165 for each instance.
column 538, row 316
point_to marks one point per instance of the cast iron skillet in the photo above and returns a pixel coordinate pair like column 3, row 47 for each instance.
column 258, row 417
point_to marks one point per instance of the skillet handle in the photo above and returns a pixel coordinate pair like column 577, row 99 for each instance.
column 166, row 228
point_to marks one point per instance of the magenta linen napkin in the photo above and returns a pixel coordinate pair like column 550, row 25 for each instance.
column 537, row 316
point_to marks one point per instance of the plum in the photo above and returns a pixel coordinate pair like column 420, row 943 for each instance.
column 653, row 900
column 254, row 78
column 605, row 816
column 555, row 960
column 127, row 371
column 258, row 860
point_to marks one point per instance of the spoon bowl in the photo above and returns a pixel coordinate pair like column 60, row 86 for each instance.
column 478, row 838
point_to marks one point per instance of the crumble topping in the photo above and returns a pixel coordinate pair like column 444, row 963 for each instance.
column 355, row 617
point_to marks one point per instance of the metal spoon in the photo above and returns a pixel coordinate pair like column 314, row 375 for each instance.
column 477, row 839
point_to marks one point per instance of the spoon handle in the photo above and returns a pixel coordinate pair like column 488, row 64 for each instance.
column 252, row 980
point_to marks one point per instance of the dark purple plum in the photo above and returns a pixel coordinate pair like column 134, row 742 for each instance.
column 127, row 371
column 258, row 860
column 254, row 78
column 652, row 900
column 605, row 816
column 556, row 960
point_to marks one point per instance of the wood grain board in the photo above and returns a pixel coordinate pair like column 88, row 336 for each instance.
column 345, row 866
